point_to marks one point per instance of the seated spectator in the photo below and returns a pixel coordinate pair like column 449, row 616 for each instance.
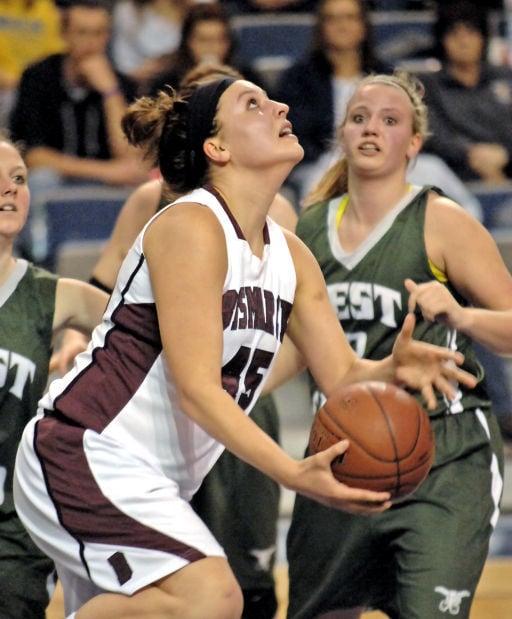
column 143, row 31
column 318, row 87
column 29, row 31
column 68, row 111
column 206, row 36
column 470, row 100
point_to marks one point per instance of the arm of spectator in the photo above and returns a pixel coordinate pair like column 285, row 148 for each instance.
column 488, row 161
column 123, row 171
column 99, row 74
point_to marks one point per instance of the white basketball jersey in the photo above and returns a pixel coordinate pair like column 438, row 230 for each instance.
column 120, row 390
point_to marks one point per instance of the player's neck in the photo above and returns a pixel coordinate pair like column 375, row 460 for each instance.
column 371, row 199
column 7, row 266
column 250, row 212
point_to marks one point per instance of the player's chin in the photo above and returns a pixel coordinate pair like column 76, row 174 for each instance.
column 298, row 151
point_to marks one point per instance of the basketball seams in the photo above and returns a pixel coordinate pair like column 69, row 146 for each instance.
column 391, row 437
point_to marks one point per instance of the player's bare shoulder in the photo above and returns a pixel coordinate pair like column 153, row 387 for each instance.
column 448, row 228
column 189, row 225
column 444, row 215
column 442, row 206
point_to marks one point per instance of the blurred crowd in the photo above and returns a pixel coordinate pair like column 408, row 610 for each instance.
column 69, row 68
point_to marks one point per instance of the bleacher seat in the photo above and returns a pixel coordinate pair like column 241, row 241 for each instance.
column 81, row 214
column 270, row 42
column 402, row 35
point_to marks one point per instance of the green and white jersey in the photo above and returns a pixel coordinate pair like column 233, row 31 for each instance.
column 366, row 286
column 27, row 303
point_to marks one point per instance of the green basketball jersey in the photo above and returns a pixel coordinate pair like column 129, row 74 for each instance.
column 367, row 289
column 27, row 303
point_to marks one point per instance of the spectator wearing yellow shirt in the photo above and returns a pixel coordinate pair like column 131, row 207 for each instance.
column 29, row 31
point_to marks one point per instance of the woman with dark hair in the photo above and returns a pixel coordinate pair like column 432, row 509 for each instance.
column 469, row 100
column 206, row 36
column 318, row 87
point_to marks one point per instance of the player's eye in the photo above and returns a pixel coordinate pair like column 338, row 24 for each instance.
column 389, row 120
column 19, row 179
column 252, row 103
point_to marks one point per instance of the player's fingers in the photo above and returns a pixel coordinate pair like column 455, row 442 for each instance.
column 408, row 325
column 336, row 450
column 453, row 373
column 326, row 457
column 54, row 364
column 429, row 396
column 446, row 387
column 411, row 287
column 445, row 354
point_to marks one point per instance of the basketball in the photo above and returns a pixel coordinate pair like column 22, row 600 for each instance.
column 391, row 442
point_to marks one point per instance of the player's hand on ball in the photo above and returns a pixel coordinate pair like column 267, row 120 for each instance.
column 426, row 367
column 318, row 482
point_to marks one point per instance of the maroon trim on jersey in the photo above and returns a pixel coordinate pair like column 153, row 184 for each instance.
column 117, row 370
column 238, row 230
column 83, row 510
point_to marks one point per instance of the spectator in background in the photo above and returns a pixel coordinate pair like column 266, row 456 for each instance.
column 206, row 36
column 69, row 107
column 29, row 31
column 469, row 100
column 143, row 31
column 318, row 87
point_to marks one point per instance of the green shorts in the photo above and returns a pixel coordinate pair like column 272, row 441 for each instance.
column 421, row 559
column 26, row 576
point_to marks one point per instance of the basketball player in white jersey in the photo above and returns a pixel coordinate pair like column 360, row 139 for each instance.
column 203, row 299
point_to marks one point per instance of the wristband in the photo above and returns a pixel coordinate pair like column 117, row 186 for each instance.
column 96, row 282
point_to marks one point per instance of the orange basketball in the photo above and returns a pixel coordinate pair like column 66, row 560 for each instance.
column 391, row 442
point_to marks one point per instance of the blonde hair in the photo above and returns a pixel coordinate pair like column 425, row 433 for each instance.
column 335, row 181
